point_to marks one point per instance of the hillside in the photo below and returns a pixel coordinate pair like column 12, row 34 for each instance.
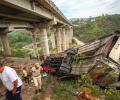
column 90, row 28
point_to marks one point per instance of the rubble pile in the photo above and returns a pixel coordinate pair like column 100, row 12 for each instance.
column 103, row 49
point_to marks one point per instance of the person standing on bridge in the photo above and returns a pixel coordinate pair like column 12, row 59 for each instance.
column 11, row 82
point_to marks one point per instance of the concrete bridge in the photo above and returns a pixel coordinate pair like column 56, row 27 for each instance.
column 36, row 16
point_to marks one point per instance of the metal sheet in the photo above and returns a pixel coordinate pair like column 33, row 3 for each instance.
column 115, row 52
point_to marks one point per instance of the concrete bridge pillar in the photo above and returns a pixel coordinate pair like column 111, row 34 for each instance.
column 67, row 38
column 63, row 39
column 44, row 41
column 34, row 52
column 5, row 43
column 59, row 40
column 52, row 38
column 71, row 34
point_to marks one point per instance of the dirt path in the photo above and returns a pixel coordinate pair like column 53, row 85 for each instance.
column 49, row 92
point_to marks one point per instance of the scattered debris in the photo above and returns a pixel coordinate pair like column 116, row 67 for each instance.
column 85, row 96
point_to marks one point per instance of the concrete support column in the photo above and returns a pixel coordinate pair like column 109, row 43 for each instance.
column 67, row 38
column 44, row 41
column 34, row 42
column 63, row 39
column 71, row 34
column 5, row 43
column 58, row 40
column 52, row 38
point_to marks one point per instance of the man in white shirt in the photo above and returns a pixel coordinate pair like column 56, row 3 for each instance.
column 37, row 77
column 11, row 82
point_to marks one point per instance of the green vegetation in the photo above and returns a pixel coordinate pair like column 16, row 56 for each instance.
column 79, row 59
column 18, row 39
column 62, row 90
column 91, row 28
column 112, row 94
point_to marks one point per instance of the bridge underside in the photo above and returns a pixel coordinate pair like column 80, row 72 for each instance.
column 11, row 14
column 34, row 15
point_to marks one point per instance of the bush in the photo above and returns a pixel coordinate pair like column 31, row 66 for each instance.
column 62, row 90
column 86, row 80
column 19, row 53
column 96, row 90
column 112, row 94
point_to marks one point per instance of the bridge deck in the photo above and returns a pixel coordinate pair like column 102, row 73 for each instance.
column 37, row 11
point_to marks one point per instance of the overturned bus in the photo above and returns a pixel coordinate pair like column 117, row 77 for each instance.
column 104, row 54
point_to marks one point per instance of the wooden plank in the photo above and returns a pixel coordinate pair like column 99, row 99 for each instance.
column 92, row 46
column 115, row 52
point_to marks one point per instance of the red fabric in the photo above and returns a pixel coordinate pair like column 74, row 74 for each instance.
column 83, row 95
column 86, row 96
column 49, row 69
column 98, row 77
column 46, row 68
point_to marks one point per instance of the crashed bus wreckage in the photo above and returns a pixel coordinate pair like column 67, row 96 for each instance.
column 104, row 54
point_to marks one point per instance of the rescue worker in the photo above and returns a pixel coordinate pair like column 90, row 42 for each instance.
column 25, row 75
column 36, row 72
column 11, row 82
